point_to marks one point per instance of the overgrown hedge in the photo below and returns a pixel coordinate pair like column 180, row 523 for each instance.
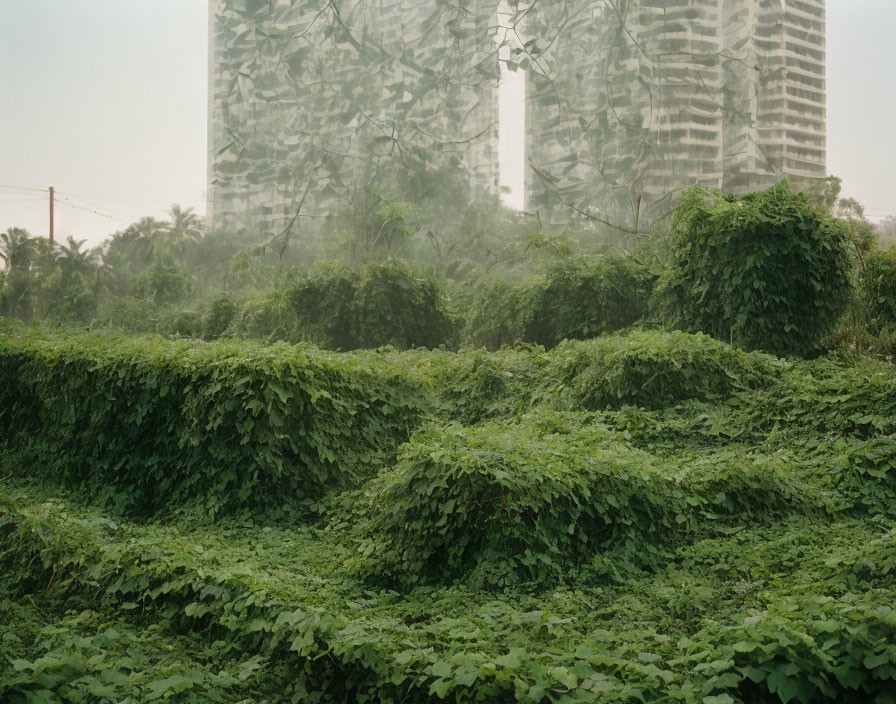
column 495, row 506
column 655, row 368
column 382, row 304
column 764, row 271
column 580, row 300
column 148, row 422
column 577, row 300
column 878, row 289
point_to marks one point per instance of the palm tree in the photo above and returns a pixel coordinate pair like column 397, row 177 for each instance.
column 17, row 248
column 184, row 229
column 185, row 224
column 75, row 260
column 136, row 246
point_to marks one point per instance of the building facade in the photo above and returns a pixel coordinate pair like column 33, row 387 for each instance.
column 627, row 102
column 312, row 104
column 639, row 99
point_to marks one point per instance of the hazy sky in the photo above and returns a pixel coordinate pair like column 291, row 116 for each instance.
column 106, row 101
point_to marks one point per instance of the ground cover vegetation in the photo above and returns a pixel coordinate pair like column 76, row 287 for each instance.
column 534, row 489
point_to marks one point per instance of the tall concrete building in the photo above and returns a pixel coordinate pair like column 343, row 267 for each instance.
column 627, row 103
column 312, row 103
column 639, row 99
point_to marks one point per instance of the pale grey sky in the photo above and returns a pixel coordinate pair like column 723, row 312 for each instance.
column 106, row 101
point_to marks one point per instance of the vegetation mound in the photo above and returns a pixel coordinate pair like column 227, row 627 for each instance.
column 878, row 289
column 764, row 271
column 654, row 368
column 497, row 505
column 382, row 304
column 149, row 423
column 735, row 549
column 581, row 300
column 578, row 299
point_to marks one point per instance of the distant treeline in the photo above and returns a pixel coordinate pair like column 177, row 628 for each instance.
column 774, row 271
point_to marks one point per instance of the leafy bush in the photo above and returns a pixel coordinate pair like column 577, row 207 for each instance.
column 129, row 314
column 866, row 471
column 162, row 283
column 185, row 323
column 394, row 306
column 218, row 317
column 582, row 300
column 497, row 506
column 480, row 386
column 322, row 304
column 739, row 549
column 383, row 304
column 164, row 422
column 764, row 271
column 266, row 317
column 878, row 288
column 653, row 368
column 495, row 313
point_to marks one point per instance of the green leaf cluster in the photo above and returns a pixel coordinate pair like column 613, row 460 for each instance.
column 382, row 304
column 653, row 368
column 149, row 422
column 878, row 288
column 766, row 271
column 478, row 534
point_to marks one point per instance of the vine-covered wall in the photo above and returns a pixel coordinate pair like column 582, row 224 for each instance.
column 316, row 103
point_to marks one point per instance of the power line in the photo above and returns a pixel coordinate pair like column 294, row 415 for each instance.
column 108, row 211
column 23, row 196
column 25, row 188
column 71, row 204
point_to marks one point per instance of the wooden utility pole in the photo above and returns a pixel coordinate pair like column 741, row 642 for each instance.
column 52, row 200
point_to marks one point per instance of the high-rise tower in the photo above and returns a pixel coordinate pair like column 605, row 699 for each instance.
column 628, row 102
column 313, row 102
column 638, row 99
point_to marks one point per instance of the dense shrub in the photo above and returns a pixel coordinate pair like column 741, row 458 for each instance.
column 147, row 422
column 481, row 385
column 763, row 271
column 866, row 471
column 129, row 315
column 878, row 289
column 497, row 505
column 162, row 284
column 322, row 304
column 394, row 306
column 495, row 313
column 218, row 317
column 186, row 323
column 582, row 300
column 267, row 317
column 653, row 368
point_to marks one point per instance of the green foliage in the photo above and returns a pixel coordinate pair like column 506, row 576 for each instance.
column 580, row 300
column 322, row 304
column 478, row 385
column 651, row 369
column 723, row 532
column 496, row 507
column 127, row 314
column 266, row 317
column 162, row 284
column 383, row 304
column 878, row 288
column 764, row 271
column 218, row 317
column 160, row 423
column 496, row 313
column 394, row 306
column 81, row 657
